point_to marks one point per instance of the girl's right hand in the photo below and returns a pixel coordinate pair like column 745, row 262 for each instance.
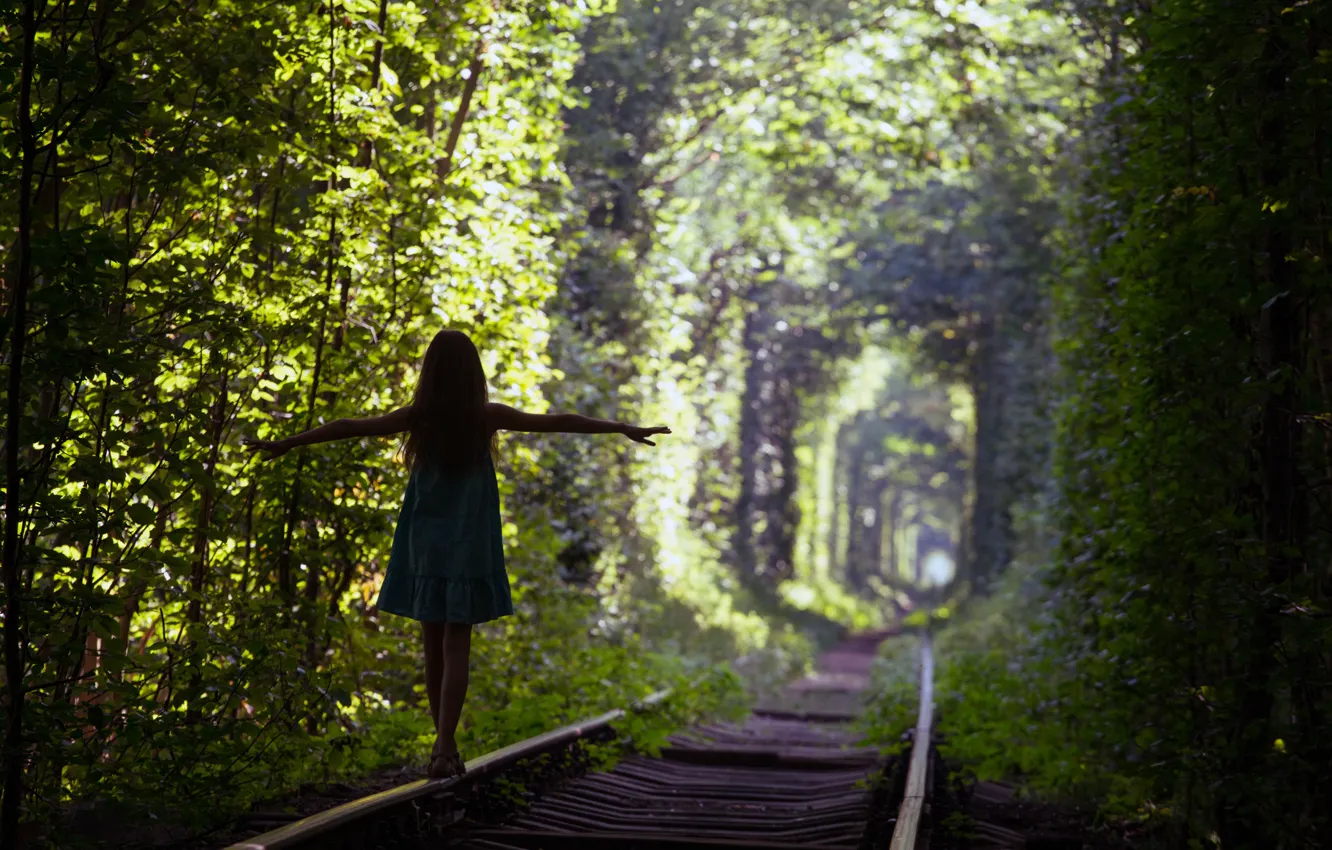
column 273, row 448
column 640, row 435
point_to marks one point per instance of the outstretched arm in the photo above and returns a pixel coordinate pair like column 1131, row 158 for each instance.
column 339, row 429
column 504, row 418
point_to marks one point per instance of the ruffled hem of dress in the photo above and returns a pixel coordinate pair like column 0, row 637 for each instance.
column 439, row 600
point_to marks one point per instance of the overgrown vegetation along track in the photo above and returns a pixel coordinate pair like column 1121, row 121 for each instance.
column 791, row 776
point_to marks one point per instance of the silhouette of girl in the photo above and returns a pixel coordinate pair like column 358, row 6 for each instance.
column 447, row 564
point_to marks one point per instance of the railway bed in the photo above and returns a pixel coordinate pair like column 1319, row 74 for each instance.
column 790, row 776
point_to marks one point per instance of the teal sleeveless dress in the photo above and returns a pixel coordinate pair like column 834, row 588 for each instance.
column 447, row 564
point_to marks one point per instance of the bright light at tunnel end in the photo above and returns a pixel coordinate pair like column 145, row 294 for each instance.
column 937, row 569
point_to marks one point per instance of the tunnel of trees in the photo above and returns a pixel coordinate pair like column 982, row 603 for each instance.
column 1012, row 310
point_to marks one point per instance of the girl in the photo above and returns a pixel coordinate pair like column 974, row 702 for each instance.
column 447, row 564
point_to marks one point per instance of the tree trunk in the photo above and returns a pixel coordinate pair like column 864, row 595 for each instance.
column 15, row 684
column 892, row 512
column 742, row 538
column 1283, row 509
column 855, row 526
column 990, row 526
column 367, row 147
column 445, row 164
column 784, row 516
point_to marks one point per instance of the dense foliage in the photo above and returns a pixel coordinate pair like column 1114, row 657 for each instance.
column 1193, row 454
column 242, row 220
column 1176, row 666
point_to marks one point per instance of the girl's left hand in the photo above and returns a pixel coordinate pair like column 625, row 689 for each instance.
column 273, row 448
column 640, row 435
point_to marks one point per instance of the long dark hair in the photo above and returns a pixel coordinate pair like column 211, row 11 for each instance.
column 448, row 425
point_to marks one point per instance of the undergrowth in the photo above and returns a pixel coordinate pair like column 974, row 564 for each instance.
column 998, row 694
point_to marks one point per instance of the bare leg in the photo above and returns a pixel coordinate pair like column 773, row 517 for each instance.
column 457, row 657
column 434, row 667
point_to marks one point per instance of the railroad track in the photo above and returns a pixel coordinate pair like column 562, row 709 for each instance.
column 791, row 776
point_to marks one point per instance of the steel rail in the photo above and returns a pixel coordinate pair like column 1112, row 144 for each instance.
column 322, row 823
column 780, row 782
column 697, row 765
column 909, row 815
